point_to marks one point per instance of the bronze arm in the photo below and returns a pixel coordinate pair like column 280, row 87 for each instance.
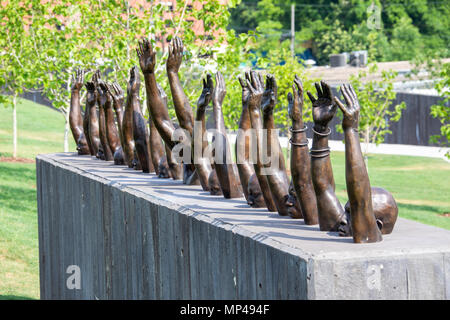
column 157, row 104
column 127, row 132
column 300, row 160
column 224, row 166
column 140, row 130
column 331, row 213
column 102, row 100
column 363, row 222
column 277, row 177
column 255, row 85
column 93, row 126
column 112, row 133
column 204, row 164
column 250, row 186
column 75, row 116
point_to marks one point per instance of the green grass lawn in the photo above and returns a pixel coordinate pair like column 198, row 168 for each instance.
column 420, row 185
column 40, row 130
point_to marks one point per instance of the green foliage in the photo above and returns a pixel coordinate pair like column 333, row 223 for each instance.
column 284, row 75
column 16, row 71
column 441, row 111
column 375, row 99
column 403, row 29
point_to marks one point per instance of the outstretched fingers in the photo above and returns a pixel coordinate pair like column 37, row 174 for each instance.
column 299, row 84
column 311, row 97
column 318, row 89
column 326, row 90
column 347, row 96
column 340, row 105
column 242, row 82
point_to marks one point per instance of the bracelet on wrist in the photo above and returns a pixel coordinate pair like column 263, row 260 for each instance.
column 322, row 134
column 319, row 155
column 298, row 130
column 320, row 150
column 298, row 144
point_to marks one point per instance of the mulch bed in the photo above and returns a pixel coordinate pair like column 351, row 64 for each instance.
column 19, row 160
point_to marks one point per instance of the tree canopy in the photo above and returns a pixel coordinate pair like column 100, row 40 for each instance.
column 402, row 30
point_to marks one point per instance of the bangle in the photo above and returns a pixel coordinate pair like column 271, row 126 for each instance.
column 298, row 130
column 322, row 134
column 320, row 150
column 320, row 155
column 298, row 144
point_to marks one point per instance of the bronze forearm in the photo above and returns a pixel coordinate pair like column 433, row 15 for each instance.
column 301, row 173
column 127, row 132
column 262, row 179
column 329, row 208
column 76, row 123
column 107, row 152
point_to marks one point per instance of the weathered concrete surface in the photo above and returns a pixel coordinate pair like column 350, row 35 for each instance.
column 135, row 236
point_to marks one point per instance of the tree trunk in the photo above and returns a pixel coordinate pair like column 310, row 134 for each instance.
column 367, row 141
column 66, row 114
column 14, row 126
column 66, row 133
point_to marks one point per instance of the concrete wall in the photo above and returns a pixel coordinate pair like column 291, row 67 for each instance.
column 135, row 236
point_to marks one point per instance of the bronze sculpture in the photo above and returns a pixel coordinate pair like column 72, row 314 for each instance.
column 92, row 126
column 310, row 194
column 330, row 211
column 175, row 168
column 363, row 223
column 203, row 163
column 127, row 129
column 183, row 109
column 159, row 160
column 277, row 177
column 300, row 161
column 103, row 99
column 75, row 114
column 250, row 185
column 140, row 129
column 256, row 88
column 157, row 104
column 385, row 211
column 117, row 97
column 226, row 171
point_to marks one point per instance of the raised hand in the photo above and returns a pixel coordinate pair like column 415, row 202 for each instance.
column 269, row 97
column 255, row 85
column 103, row 94
column 206, row 96
column 92, row 94
column 220, row 90
column 146, row 56
column 135, row 82
column 245, row 89
column 116, row 93
column 351, row 111
column 96, row 77
column 295, row 103
column 175, row 55
column 324, row 107
column 77, row 80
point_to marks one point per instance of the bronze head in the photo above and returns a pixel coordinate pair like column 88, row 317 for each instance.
column 385, row 210
column 255, row 196
column 292, row 204
column 213, row 183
